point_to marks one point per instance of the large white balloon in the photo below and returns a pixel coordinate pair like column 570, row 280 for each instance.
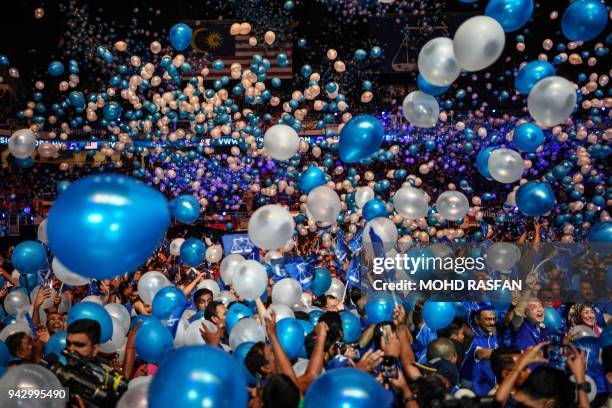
column 228, row 267
column 149, row 284
column 47, row 303
column 66, row 275
column 286, row 292
column 502, row 256
column 31, row 378
column 363, row 195
column 250, row 279
column 247, row 329
column 175, row 246
column 420, row 109
column 478, row 43
column 16, row 301
column 385, row 229
column 193, row 337
column 93, row 299
column 271, row 226
column 452, row 205
column 137, row 394
column 22, row 143
column 410, row 202
column 226, row 297
column 282, row 142
column 506, row 165
column 119, row 333
column 437, row 62
column 15, row 328
column 551, row 100
column 41, row 234
column 324, row 204
column 120, row 313
column 282, row 312
column 336, row 289
column 214, row 253
column 210, row 285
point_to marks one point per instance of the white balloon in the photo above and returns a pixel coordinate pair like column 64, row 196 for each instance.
column 478, row 43
column 286, row 292
column 324, row 204
column 271, row 226
column 502, row 256
column 66, row 275
column 47, row 303
column 282, row 312
column 34, row 378
column 250, row 279
column 22, row 143
column 300, row 366
column 193, row 337
column 214, row 253
column 282, row 142
column 247, row 329
column 15, row 328
column 119, row 312
column 175, row 246
column 93, row 299
column 228, row 266
column 119, row 333
column 41, row 234
column 16, row 301
column 336, row 289
column 226, row 297
column 420, row 109
column 410, row 202
column 149, row 284
column 363, row 195
column 551, row 100
column 437, row 62
column 506, row 165
column 210, row 285
column 385, row 229
column 452, row 205
column 137, row 394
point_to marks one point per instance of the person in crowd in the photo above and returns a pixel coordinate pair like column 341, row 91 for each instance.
column 503, row 361
column 476, row 372
column 530, row 330
column 84, row 338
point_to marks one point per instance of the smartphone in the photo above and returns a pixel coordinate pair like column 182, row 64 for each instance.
column 389, row 368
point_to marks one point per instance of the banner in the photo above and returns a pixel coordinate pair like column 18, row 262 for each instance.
column 240, row 244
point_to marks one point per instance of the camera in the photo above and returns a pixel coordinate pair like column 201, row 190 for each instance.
column 96, row 384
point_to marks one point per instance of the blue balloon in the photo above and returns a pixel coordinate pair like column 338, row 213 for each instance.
column 312, row 178
column 346, row 388
column 55, row 68
column 307, row 326
column 77, row 99
column 314, row 316
column 584, row 20
column 29, row 257
column 605, row 339
column 511, row 14
column 185, row 208
column 107, row 225
column 535, row 198
column 236, row 312
column 56, row 344
column 180, row 36
column 531, row 73
column 167, row 301
column 239, row 354
column 93, row 311
column 379, row 308
column 193, row 252
column 153, row 340
column 360, row 138
column 111, row 111
column 438, row 315
column 430, row 89
column 373, row 209
column 291, row 336
column 528, row 137
column 24, row 163
column 28, row 281
column 482, row 161
column 601, row 232
column 552, row 319
column 321, row 282
column 197, row 376
column 351, row 326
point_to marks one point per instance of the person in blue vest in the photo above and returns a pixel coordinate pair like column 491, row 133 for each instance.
column 530, row 328
column 476, row 372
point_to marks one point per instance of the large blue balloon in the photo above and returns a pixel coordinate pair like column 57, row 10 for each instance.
column 193, row 252
column 153, row 340
column 313, row 177
column 29, row 257
column 601, row 232
column 196, row 377
column 291, row 336
column 56, row 68
column 531, row 73
column 552, row 319
column 314, row 316
column 438, row 315
column 180, row 36
column 321, row 282
column 535, row 198
column 584, row 20
column 93, row 311
column 511, row 14
column 379, row 308
column 482, row 161
column 167, row 301
column 56, row 344
column 107, row 225
column 111, row 111
column 346, row 388
column 430, row 89
column 307, row 326
column 360, row 138
column 239, row 354
column 77, row 99
column 373, row 209
column 351, row 326
column 236, row 312
column 29, row 281
column 528, row 137
column 185, row 208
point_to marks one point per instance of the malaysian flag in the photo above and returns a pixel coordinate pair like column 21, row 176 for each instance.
column 213, row 37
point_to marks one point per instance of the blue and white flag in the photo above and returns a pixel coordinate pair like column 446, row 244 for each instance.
column 356, row 243
column 340, row 250
column 353, row 274
column 240, row 244
column 301, row 270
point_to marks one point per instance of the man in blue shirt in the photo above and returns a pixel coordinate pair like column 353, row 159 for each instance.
column 476, row 371
column 530, row 331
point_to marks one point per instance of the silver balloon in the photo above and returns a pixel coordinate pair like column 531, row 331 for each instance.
column 336, row 289
column 193, row 337
column 119, row 312
column 41, row 234
column 226, row 297
column 420, row 109
column 452, row 205
column 149, row 284
column 282, row 142
column 30, row 377
column 282, row 312
column 210, row 285
column 506, row 165
column 139, row 381
column 66, row 275
column 580, row 331
column 410, row 202
column 363, row 195
column 247, row 329
column 271, row 226
column 228, row 266
column 118, row 338
column 175, row 246
column 181, row 332
column 16, row 301
column 93, row 299
column 324, row 204
column 22, row 143
column 501, row 256
column 437, row 62
column 552, row 100
column 15, row 328
column 300, row 366
column 478, row 43
column 136, row 396
column 250, row 279
column 286, row 292
column 214, row 253
column 47, row 303
column 386, row 231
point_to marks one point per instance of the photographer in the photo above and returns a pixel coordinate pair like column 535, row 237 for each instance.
column 84, row 338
